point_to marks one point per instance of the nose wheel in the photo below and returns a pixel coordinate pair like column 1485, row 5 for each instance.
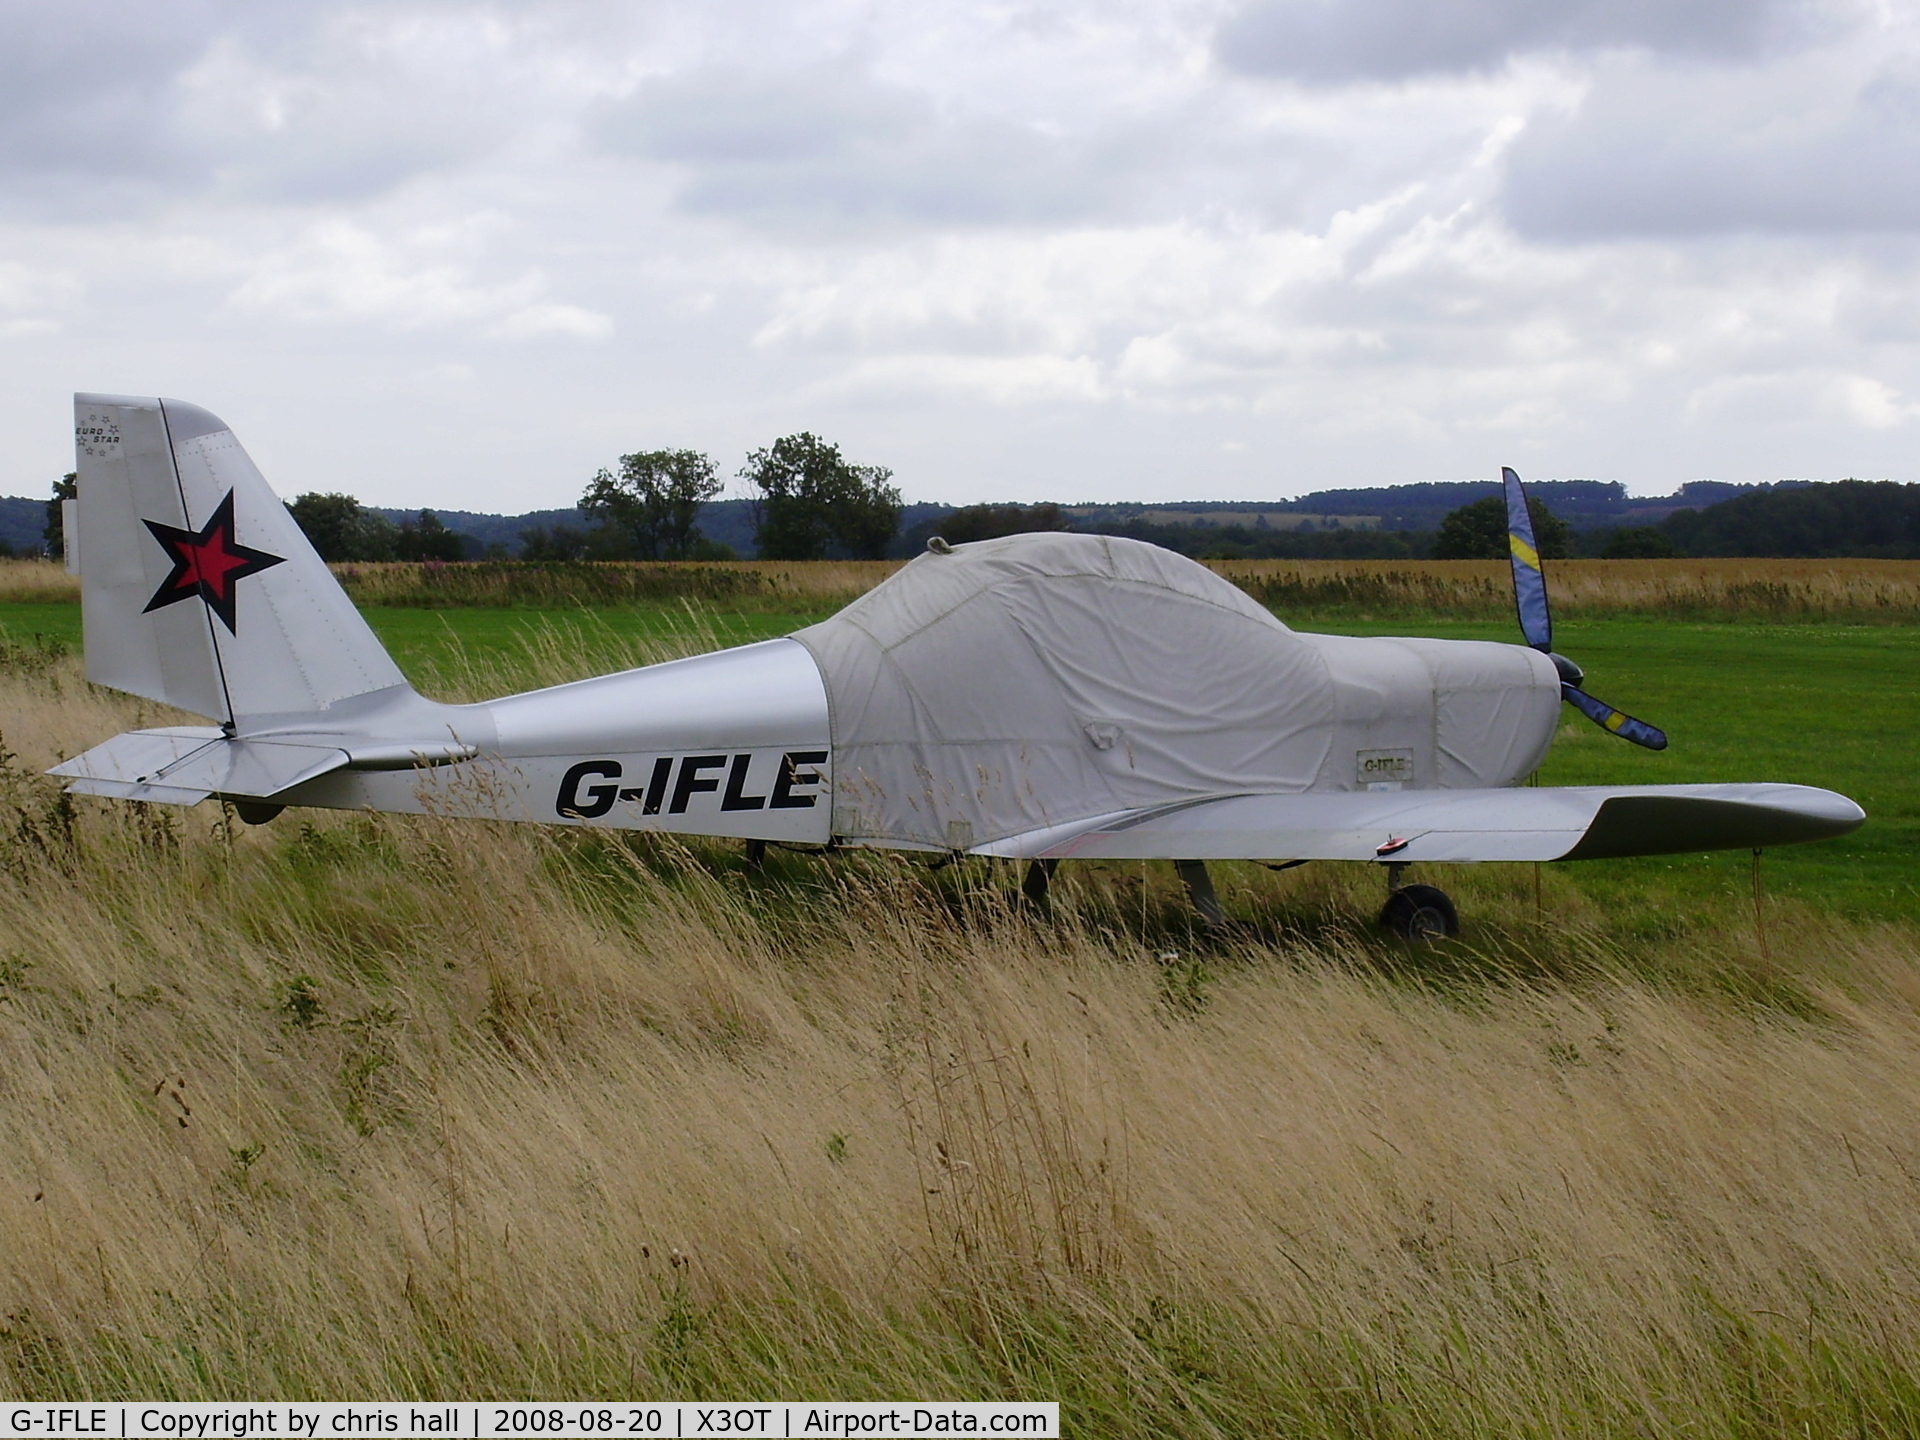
column 1419, row 913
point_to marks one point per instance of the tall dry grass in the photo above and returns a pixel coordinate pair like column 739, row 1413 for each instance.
column 1870, row 590
column 1850, row 590
column 740, row 585
column 36, row 581
column 803, row 587
column 355, row 1105
column 1858, row 590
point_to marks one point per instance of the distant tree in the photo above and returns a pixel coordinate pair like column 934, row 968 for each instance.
column 980, row 522
column 990, row 522
column 604, row 542
column 1638, row 542
column 813, row 503
column 428, row 539
column 654, row 501
column 1877, row 518
column 562, row 542
column 341, row 528
column 67, row 487
column 1479, row 531
column 1241, row 542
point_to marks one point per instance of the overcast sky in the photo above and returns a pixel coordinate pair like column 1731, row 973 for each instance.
column 462, row 255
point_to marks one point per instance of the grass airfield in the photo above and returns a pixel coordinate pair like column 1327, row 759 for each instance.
column 370, row 1106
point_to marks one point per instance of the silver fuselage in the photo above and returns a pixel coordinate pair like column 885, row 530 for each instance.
column 739, row 743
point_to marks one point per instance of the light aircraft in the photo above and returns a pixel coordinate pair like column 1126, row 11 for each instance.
column 1038, row 698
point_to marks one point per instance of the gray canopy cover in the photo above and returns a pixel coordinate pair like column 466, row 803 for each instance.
column 1017, row 684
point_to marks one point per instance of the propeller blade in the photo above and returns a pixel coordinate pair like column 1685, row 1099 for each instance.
column 1529, row 584
column 1618, row 721
column 1536, row 623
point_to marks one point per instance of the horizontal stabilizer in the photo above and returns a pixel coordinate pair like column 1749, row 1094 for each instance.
column 185, row 764
column 1585, row 822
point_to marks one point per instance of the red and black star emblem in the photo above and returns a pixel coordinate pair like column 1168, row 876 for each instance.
column 208, row 562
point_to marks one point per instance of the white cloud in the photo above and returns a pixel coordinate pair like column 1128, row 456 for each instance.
column 1873, row 402
column 1016, row 380
column 37, row 302
column 25, row 287
column 338, row 272
column 1801, row 397
column 1070, row 291
column 546, row 318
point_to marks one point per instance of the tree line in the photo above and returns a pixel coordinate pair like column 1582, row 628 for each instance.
column 1844, row 518
column 1476, row 531
column 341, row 528
column 810, row 502
column 1839, row 519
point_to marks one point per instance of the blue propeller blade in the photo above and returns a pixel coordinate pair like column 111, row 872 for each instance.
column 1618, row 721
column 1530, row 599
column 1529, row 584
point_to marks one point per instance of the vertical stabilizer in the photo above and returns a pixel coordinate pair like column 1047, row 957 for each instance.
column 197, row 587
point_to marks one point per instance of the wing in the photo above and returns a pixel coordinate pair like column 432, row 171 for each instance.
column 1584, row 822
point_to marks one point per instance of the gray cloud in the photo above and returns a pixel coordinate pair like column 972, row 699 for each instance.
column 830, row 145
column 352, row 115
column 1675, row 154
column 107, row 105
column 88, row 85
column 1338, row 41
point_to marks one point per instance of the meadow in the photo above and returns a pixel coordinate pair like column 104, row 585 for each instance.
column 357, row 1105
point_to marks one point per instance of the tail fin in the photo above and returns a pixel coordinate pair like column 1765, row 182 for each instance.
column 197, row 587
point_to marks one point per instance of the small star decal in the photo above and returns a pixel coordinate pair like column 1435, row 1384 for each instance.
column 208, row 563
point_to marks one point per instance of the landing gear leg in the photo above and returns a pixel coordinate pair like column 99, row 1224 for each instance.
column 1038, row 881
column 1193, row 874
column 1420, row 913
column 756, row 855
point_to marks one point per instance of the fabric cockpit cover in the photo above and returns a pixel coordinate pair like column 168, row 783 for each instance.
column 1031, row 681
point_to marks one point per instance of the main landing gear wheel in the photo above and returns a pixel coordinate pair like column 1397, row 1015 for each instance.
column 1421, row 913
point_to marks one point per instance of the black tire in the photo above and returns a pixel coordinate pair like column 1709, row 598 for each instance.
column 1421, row 913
